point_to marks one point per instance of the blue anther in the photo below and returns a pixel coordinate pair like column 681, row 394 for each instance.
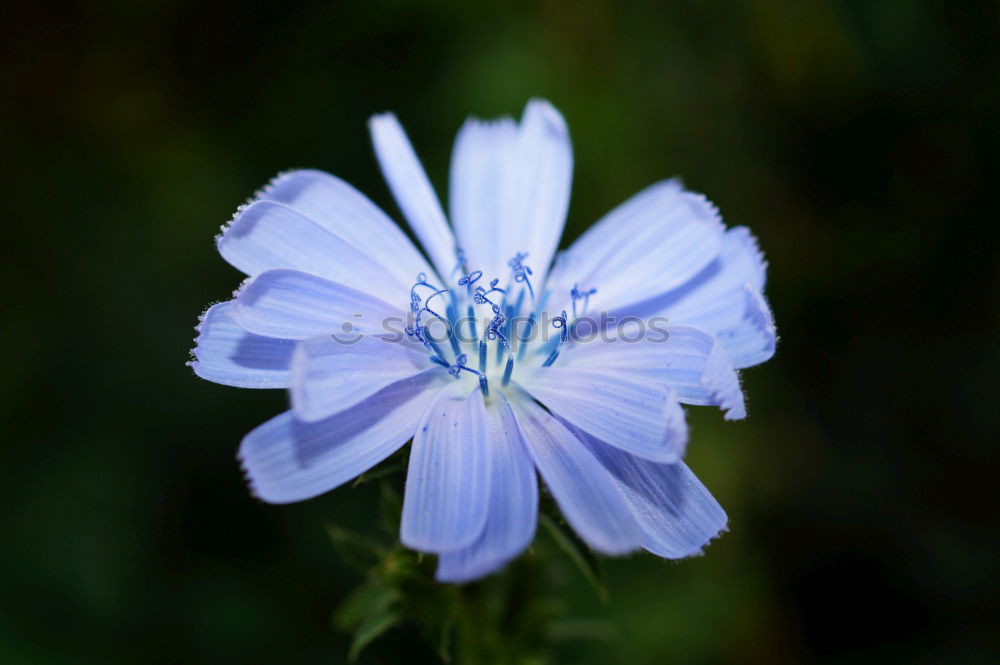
column 472, row 322
column 507, row 370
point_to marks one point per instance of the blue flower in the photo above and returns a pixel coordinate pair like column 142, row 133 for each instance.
column 574, row 367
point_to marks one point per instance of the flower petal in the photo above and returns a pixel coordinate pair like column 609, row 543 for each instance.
column 287, row 460
column 227, row 354
column 448, row 480
column 687, row 359
column 328, row 375
column 267, row 235
column 545, row 159
column 296, row 305
column 510, row 188
column 413, row 191
column 513, row 504
column 677, row 514
column 713, row 300
column 482, row 191
column 586, row 493
column 652, row 243
column 726, row 300
column 624, row 409
column 754, row 339
column 344, row 211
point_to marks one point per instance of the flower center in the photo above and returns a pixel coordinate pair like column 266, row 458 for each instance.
column 510, row 325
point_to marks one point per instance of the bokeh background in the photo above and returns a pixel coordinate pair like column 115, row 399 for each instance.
column 854, row 137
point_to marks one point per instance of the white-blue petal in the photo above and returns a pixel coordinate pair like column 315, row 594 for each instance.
column 713, row 300
column 653, row 243
column 510, row 190
column 267, row 235
column 483, row 191
column 677, row 514
column 585, row 491
column 625, row 409
column 513, row 505
column 287, row 460
column 687, row 359
column 413, row 191
column 227, row 354
column 726, row 300
column 545, row 158
column 296, row 305
column 754, row 339
column 328, row 376
column 448, row 480
column 344, row 211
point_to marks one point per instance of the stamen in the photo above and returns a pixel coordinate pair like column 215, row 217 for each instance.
column 428, row 302
column 421, row 334
column 522, row 272
column 480, row 297
column 418, row 306
column 576, row 294
column 467, row 281
column 470, row 279
column 493, row 331
column 459, row 366
column 507, row 370
column 559, row 323
column 460, row 266
column 523, row 341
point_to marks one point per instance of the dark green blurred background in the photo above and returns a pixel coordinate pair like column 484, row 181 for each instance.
column 853, row 137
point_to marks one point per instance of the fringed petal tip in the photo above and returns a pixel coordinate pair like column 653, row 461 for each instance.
column 749, row 241
column 755, row 339
column 192, row 360
column 695, row 552
column 705, row 210
column 265, row 191
column 759, row 312
column 724, row 382
column 677, row 427
column 243, row 286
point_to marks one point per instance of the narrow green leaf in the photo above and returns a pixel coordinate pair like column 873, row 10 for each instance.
column 367, row 601
column 356, row 550
column 370, row 631
column 579, row 555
